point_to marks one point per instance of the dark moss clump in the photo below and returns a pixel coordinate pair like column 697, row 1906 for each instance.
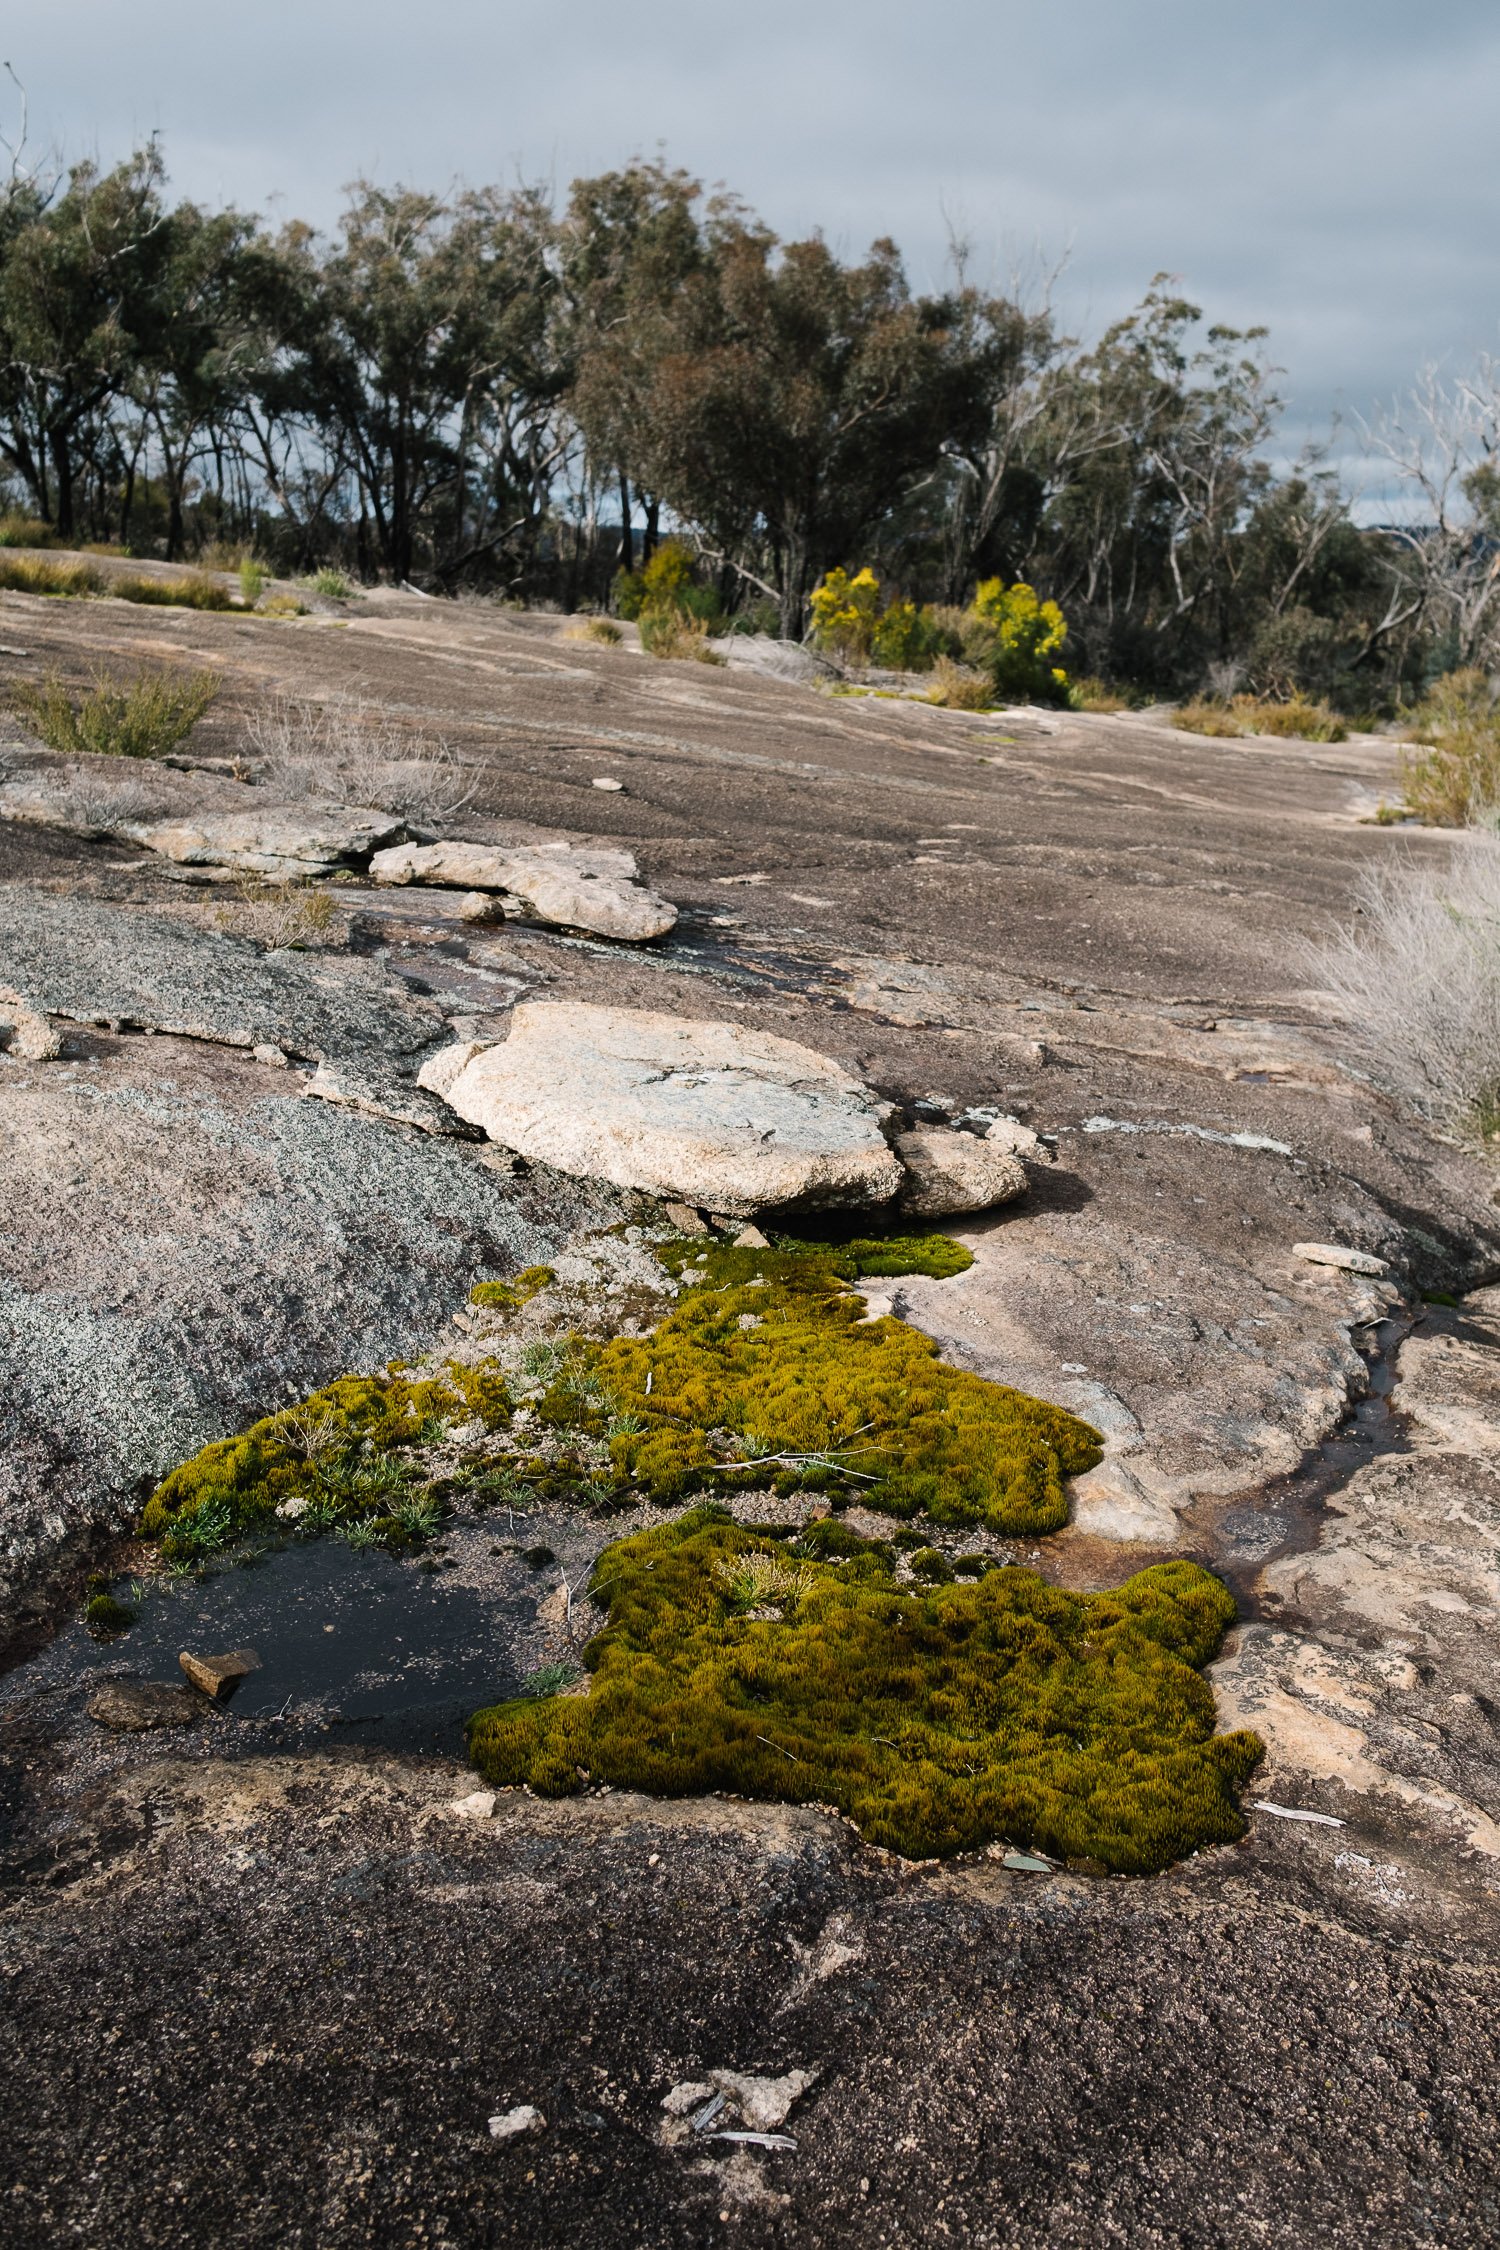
column 936, row 1255
column 336, row 1453
column 509, row 1296
column 937, row 1719
column 105, row 1616
column 768, row 1372
column 933, row 1568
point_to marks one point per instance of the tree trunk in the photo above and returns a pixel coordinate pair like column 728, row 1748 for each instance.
column 652, row 532
column 627, row 536
column 62, row 466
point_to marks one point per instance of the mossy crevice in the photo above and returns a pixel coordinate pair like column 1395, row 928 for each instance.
column 337, row 1455
column 769, row 1372
column 939, row 1719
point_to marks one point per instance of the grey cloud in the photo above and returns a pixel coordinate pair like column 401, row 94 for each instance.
column 1321, row 166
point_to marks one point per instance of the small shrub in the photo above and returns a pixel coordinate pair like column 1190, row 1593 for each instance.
column 1014, row 637
column 1451, row 775
column 254, row 579
column 196, row 591
column 850, row 623
column 105, row 1616
column 937, row 1720
column 959, row 687
column 38, row 574
column 143, row 717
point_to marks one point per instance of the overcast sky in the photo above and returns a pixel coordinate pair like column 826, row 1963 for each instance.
column 1326, row 167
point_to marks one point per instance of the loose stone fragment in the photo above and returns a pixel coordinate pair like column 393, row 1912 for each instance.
column 141, row 1706
column 1334, row 1254
column 280, row 840
column 32, row 1038
column 510, row 2122
column 576, row 888
column 216, row 1675
column 948, row 1172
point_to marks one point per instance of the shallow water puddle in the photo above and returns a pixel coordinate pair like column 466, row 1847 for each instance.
column 356, row 1646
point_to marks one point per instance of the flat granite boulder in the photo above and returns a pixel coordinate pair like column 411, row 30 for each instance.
column 710, row 1114
column 949, row 1172
column 278, row 840
column 577, row 889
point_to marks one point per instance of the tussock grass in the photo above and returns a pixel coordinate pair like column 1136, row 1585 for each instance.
column 603, row 630
column 677, row 639
column 936, row 1719
column 1094, row 695
column 1298, row 720
column 196, row 591
column 41, row 574
column 142, row 717
column 1419, row 979
column 959, row 687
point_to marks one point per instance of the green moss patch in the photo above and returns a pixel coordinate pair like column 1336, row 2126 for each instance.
column 509, row 1296
column 768, row 1372
column 938, row 1719
column 335, row 1457
column 105, row 1616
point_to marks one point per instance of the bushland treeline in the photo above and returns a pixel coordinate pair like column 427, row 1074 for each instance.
column 488, row 391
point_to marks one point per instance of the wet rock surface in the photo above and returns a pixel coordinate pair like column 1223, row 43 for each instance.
column 265, row 1981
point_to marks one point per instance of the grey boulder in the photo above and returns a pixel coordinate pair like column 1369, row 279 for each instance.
column 566, row 884
column 710, row 1114
column 947, row 1173
column 281, row 840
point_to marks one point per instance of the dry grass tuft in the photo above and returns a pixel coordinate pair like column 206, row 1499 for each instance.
column 279, row 914
column 959, row 687
column 1296, row 721
column 196, row 591
column 338, row 754
column 1093, row 695
column 603, row 630
column 677, row 639
column 1420, row 983
column 39, row 574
